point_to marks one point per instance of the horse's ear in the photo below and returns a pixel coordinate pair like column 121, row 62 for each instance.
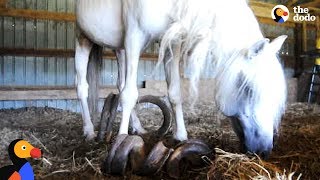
column 257, row 47
column 276, row 44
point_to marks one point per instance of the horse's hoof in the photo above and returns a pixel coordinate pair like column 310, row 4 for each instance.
column 166, row 112
column 90, row 138
column 107, row 117
column 88, row 133
column 124, row 147
column 131, row 149
column 155, row 160
column 190, row 150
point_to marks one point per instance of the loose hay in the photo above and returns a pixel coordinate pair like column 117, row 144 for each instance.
column 67, row 156
column 239, row 166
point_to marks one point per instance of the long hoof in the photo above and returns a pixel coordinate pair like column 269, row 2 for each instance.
column 107, row 117
column 155, row 160
column 190, row 150
column 132, row 149
column 110, row 109
column 124, row 147
column 166, row 112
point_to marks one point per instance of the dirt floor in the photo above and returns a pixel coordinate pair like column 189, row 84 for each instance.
column 67, row 156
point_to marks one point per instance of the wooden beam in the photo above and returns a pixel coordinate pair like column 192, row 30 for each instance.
column 3, row 3
column 67, row 53
column 304, row 37
column 263, row 10
column 260, row 9
column 37, row 14
column 56, row 93
column 290, row 3
column 298, row 66
column 270, row 21
column 315, row 3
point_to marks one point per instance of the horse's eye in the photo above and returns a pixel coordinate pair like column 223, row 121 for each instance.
column 23, row 147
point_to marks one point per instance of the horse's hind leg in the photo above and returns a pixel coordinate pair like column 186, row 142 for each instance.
column 173, row 80
column 135, row 122
column 83, row 48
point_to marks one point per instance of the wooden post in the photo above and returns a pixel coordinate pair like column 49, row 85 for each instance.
column 93, row 77
column 3, row 3
column 304, row 37
column 298, row 66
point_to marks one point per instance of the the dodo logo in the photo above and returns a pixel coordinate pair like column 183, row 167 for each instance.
column 19, row 150
column 280, row 13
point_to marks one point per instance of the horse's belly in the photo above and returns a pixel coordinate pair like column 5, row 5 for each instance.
column 155, row 16
column 101, row 21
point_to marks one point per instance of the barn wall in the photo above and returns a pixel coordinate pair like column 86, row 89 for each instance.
column 49, row 71
column 44, row 71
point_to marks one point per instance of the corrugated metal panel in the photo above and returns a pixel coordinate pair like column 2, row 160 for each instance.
column 39, row 71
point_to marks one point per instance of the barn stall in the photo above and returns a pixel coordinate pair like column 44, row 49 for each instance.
column 39, row 101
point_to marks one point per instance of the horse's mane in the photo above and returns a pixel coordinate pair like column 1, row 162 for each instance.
column 210, row 38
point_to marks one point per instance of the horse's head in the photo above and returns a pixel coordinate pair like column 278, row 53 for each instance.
column 252, row 90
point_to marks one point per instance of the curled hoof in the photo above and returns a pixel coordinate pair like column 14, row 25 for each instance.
column 124, row 146
column 155, row 160
column 166, row 112
column 107, row 117
column 130, row 151
column 190, row 150
column 110, row 109
column 131, row 148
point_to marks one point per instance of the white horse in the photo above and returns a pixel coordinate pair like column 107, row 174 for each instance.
column 224, row 34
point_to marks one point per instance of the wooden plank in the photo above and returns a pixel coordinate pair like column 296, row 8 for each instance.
column 270, row 21
column 3, row 3
column 304, row 37
column 61, row 94
column 32, row 52
column 315, row 3
column 263, row 10
column 298, row 66
column 37, row 14
column 260, row 9
column 290, row 3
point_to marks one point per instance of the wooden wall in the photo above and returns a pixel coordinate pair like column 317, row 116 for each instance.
column 29, row 71
column 49, row 71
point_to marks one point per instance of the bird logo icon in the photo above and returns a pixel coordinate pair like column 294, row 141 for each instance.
column 19, row 150
column 280, row 14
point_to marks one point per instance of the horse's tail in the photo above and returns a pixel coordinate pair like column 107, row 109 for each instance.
column 93, row 76
column 195, row 50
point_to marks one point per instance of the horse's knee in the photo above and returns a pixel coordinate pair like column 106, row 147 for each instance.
column 129, row 97
column 82, row 90
column 174, row 95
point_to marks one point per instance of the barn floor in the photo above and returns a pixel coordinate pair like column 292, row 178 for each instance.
column 68, row 156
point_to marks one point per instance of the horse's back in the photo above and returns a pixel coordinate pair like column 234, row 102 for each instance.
column 106, row 21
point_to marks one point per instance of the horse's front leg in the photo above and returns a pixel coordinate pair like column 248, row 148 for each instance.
column 134, row 43
column 83, row 48
column 173, row 81
column 135, row 122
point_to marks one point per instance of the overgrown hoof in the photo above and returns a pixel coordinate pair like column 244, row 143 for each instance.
column 189, row 151
column 130, row 151
column 107, row 117
column 110, row 109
